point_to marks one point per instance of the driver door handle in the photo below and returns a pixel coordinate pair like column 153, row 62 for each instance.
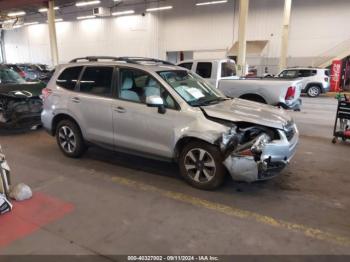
column 75, row 99
column 120, row 109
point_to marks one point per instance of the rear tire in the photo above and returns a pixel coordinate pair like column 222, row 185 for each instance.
column 70, row 139
column 313, row 91
column 201, row 165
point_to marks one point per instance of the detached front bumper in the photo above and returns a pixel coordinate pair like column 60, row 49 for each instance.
column 274, row 158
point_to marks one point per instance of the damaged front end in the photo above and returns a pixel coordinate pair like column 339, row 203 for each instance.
column 20, row 109
column 254, row 153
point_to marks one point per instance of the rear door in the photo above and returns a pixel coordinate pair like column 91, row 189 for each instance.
column 92, row 104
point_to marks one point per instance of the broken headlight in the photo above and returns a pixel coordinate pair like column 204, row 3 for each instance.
column 260, row 143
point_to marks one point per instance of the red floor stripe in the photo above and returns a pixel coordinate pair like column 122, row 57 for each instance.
column 28, row 216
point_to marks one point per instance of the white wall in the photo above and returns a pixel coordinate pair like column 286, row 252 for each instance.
column 122, row 36
column 316, row 26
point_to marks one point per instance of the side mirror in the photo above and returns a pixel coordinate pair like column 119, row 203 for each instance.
column 156, row 101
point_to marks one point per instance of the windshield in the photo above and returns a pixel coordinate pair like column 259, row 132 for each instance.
column 228, row 69
column 192, row 88
column 8, row 76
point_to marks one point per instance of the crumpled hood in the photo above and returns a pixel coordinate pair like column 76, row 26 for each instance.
column 34, row 88
column 239, row 110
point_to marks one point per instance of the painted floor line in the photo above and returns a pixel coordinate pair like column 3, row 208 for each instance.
column 236, row 212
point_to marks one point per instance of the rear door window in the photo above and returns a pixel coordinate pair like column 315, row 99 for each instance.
column 186, row 65
column 97, row 81
column 204, row 69
column 228, row 69
column 305, row 73
column 289, row 74
column 69, row 77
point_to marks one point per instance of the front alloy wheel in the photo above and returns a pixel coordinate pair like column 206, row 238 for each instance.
column 201, row 165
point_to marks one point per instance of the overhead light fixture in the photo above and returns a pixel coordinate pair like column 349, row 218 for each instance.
column 127, row 12
column 159, row 8
column 44, row 10
column 85, row 3
column 212, row 3
column 57, row 20
column 19, row 13
column 86, row 17
column 31, row 23
column 118, row 1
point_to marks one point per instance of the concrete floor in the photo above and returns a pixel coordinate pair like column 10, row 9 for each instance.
column 130, row 205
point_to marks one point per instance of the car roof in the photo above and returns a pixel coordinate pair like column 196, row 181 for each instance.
column 207, row 60
column 305, row 68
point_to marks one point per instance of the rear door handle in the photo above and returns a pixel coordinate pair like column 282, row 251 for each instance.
column 75, row 99
column 120, row 109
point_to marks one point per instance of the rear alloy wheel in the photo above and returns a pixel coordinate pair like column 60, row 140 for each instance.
column 69, row 139
column 201, row 165
column 313, row 91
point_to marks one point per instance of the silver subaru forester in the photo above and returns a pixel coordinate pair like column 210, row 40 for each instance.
column 155, row 109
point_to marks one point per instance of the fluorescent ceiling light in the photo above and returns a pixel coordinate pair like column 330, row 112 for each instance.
column 159, row 8
column 57, row 20
column 43, row 10
column 86, row 17
column 212, row 3
column 31, row 23
column 118, row 1
column 127, row 12
column 19, row 13
column 95, row 2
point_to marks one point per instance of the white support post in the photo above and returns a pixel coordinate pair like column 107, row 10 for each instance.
column 285, row 34
column 52, row 32
column 242, row 36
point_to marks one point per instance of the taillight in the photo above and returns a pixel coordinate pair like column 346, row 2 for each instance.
column 290, row 93
column 46, row 92
column 326, row 79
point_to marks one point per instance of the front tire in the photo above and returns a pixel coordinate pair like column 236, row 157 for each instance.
column 70, row 139
column 201, row 165
column 313, row 91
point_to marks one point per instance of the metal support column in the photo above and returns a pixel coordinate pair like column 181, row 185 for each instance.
column 52, row 32
column 242, row 36
column 285, row 34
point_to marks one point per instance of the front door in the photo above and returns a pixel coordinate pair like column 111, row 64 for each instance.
column 139, row 127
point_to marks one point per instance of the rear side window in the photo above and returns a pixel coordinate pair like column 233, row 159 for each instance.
column 289, row 74
column 228, row 69
column 204, row 69
column 69, row 77
column 97, row 81
column 186, row 65
column 307, row 73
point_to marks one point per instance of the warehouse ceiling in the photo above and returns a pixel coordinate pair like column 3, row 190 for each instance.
column 67, row 9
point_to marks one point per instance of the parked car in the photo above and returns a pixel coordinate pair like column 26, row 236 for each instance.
column 315, row 81
column 15, row 68
column 20, row 102
column 155, row 109
column 36, row 72
column 222, row 74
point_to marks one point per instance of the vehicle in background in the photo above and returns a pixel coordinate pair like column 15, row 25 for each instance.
column 35, row 72
column 222, row 74
column 20, row 102
column 155, row 109
column 15, row 68
column 315, row 81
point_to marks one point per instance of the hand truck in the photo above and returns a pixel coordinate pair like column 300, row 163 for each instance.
column 342, row 120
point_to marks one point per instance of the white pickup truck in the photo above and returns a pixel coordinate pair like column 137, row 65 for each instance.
column 222, row 74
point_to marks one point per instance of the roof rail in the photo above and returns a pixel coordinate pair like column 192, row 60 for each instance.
column 127, row 59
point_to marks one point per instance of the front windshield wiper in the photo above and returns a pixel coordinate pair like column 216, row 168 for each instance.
column 205, row 102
